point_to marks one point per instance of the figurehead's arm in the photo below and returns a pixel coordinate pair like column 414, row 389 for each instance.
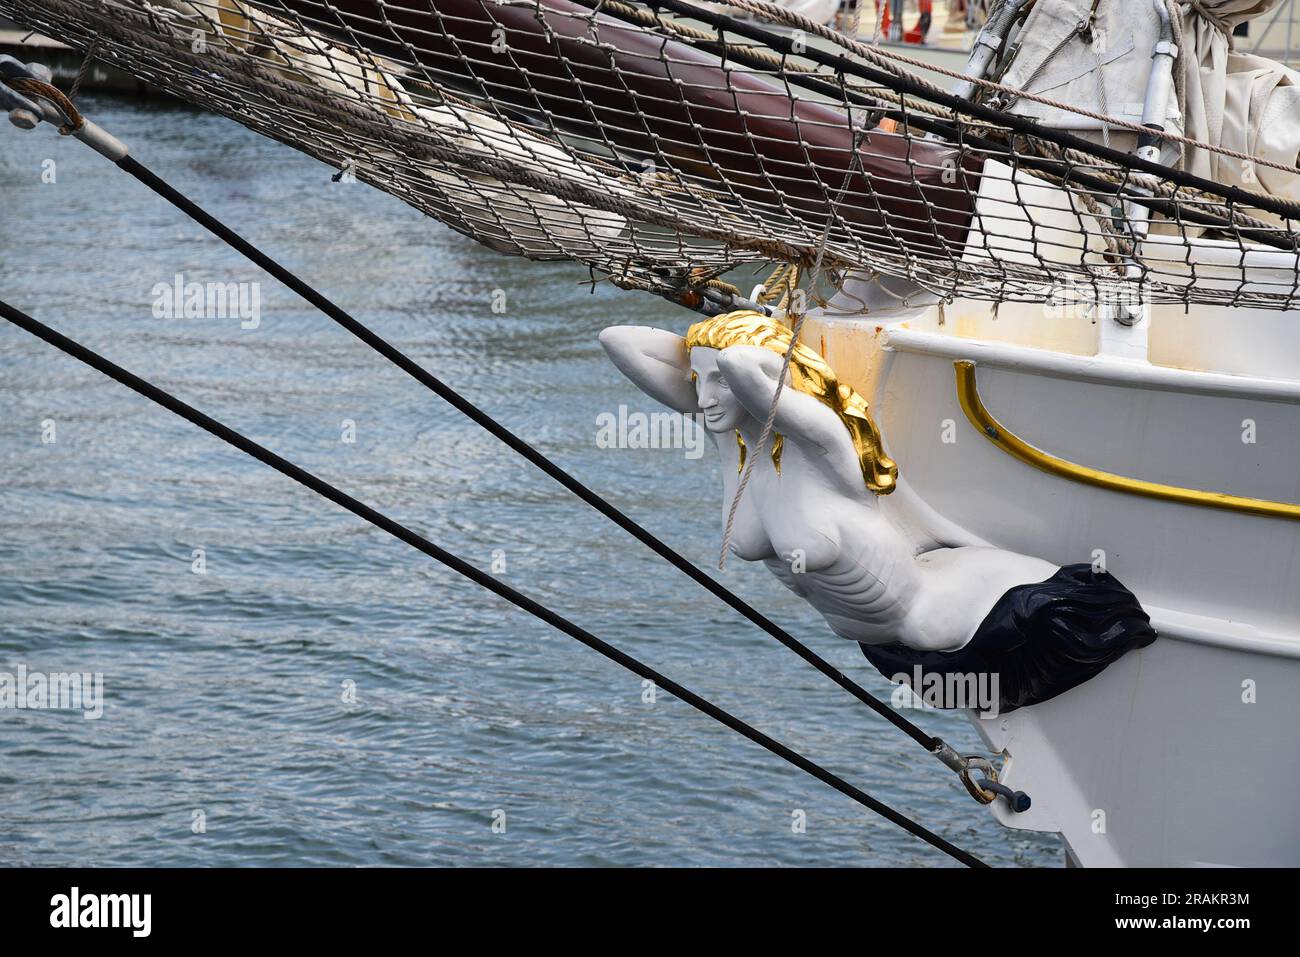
column 752, row 373
column 656, row 362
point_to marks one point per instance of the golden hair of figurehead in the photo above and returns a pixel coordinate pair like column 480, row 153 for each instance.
column 810, row 374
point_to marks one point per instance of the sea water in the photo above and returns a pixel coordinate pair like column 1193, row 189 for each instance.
column 283, row 684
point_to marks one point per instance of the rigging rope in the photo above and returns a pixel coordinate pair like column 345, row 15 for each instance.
column 478, row 577
column 515, row 443
column 963, row 766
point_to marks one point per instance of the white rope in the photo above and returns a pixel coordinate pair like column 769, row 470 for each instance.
column 795, row 328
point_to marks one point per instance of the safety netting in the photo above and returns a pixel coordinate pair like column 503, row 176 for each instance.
column 664, row 144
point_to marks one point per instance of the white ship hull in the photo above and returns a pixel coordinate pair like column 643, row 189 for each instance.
column 1183, row 753
column 1158, row 762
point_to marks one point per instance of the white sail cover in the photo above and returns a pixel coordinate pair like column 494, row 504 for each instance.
column 1239, row 101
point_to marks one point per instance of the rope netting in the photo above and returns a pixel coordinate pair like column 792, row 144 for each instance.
column 664, row 145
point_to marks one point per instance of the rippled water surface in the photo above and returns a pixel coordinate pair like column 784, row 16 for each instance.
column 225, row 691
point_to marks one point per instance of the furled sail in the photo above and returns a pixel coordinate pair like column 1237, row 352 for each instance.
column 1098, row 54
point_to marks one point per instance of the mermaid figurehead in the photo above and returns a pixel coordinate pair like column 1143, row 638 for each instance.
column 915, row 591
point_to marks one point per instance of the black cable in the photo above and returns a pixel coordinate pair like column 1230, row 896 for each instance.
column 463, row 568
column 481, row 418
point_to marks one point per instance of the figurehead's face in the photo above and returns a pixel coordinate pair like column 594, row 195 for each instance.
column 722, row 410
column 809, row 373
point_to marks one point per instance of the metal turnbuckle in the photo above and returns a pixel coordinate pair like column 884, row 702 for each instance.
column 23, row 113
column 29, row 96
column 987, row 789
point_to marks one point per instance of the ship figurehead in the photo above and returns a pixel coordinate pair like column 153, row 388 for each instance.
column 825, row 510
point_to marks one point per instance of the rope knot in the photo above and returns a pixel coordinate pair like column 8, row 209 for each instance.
column 30, row 86
column 1199, row 7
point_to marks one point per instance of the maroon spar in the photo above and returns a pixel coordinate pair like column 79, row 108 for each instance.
column 648, row 97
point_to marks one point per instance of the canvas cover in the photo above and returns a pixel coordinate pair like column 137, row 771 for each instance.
column 1240, row 101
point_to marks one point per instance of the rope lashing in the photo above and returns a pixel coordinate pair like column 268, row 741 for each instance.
column 475, row 575
column 30, row 86
column 1218, row 22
